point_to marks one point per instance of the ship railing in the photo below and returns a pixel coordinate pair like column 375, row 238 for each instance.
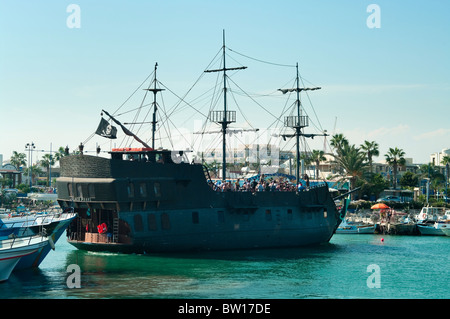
column 20, row 241
column 39, row 220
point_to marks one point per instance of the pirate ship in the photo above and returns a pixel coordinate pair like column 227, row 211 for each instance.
column 148, row 200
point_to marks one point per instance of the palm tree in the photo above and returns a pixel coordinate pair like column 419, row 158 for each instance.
column 338, row 141
column 46, row 162
column 36, row 171
column 371, row 149
column 352, row 160
column 316, row 157
column 445, row 160
column 18, row 159
column 59, row 154
column 395, row 157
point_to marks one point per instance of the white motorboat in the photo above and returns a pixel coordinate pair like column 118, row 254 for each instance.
column 13, row 249
column 53, row 224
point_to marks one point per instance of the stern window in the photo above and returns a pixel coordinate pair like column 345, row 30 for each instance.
column 130, row 190
column 91, row 190
column 138, row 225
column 69, row 188
column 79, row 190
column 165, row 221
column 151, row 219
column 157, row 189
column 143, row 189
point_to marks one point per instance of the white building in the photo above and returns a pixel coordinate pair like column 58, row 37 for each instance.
column 436, row 158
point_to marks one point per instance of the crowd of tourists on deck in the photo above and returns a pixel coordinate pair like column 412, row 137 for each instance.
column 261, row 185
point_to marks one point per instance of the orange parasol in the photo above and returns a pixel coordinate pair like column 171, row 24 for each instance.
column 380, row 206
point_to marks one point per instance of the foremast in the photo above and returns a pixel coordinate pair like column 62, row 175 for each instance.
column 155, row 91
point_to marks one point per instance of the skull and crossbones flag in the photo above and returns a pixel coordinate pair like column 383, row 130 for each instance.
column 106, row 130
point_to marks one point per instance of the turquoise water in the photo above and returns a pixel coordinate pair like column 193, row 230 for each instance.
column 408, row 267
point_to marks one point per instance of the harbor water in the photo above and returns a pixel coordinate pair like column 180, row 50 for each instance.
column 349, row 267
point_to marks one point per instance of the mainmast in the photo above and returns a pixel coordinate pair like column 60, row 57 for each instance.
column 155, row 105
column 224, row 117
column 298, row 122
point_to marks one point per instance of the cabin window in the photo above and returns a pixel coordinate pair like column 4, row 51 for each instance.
column 138, row 225
column 221, row 216
column 165, row 221
column 130, row 190
column 79, row 190
column 143, row 189
column 151, row 220
column 195, row 218
column 157, row 189
column 268, row 214
column 159, row 158
column 325, row 214
column 91, row 190
column 69, row 188
column 289, row 214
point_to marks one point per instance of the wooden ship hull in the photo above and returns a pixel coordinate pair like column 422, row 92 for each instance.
column 144, row 206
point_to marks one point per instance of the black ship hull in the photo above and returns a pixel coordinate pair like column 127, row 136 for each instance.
column 144, row 207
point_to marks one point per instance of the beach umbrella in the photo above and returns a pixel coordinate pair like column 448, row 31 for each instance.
column 380, row 206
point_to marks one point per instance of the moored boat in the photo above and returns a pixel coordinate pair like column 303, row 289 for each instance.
column 433, row 228
column 13, row 249
column 446, row 231
column 53, row 224
column 347, row 227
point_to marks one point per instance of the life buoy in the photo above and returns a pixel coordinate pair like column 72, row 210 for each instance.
column 102, row 228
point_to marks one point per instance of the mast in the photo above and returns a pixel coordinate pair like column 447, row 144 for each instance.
column 298, row 122
column 224, row 117
column 155, row 105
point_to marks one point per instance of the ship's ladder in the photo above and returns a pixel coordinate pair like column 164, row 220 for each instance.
column 115, row 237
column 206, row 172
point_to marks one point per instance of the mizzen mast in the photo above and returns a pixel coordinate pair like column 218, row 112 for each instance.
column 299, row 121
column 155, row 91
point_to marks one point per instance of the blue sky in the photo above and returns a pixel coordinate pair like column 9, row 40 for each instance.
column 389, row 84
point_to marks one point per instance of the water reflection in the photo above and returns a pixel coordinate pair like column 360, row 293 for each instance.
column 201, row 275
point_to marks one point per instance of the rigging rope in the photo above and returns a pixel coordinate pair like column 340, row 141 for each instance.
column 262, row 61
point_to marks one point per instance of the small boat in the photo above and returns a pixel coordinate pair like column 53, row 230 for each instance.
column 53, row 224
column 433, row 229
column 347, row 227
column 429, row 213
column 13, row 249
column 446, row 231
